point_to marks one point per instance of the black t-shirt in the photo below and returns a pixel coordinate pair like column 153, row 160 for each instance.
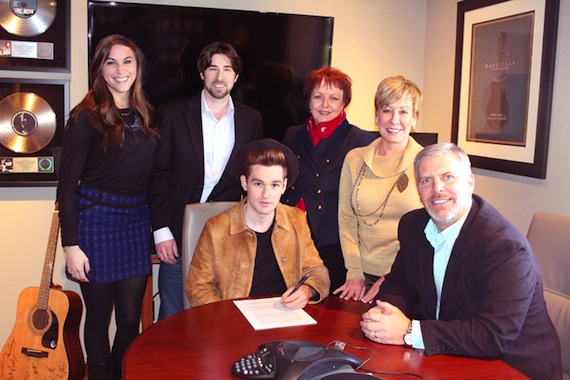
column 267, row 277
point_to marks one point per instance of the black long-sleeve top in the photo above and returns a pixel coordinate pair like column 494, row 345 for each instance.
column 123, row 169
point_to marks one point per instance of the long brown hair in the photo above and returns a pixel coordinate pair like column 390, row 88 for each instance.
column 99, row 103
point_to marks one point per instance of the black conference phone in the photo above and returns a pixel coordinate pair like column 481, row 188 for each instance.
column 294, row 359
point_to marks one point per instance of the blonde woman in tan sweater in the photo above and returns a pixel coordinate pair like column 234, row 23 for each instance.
column 377, row 187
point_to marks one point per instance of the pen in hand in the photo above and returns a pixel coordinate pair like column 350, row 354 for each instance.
column 301, row 282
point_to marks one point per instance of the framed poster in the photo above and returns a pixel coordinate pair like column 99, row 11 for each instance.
column 504, row 74
column 32, row 119
column 35, row 35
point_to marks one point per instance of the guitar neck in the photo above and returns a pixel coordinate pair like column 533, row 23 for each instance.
column 47, row 273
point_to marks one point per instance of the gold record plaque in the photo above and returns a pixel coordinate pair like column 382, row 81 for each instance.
column 27, row 122
column 27, row 18
column 32, row 122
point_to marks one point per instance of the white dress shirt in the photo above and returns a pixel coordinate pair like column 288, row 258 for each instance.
column 218, row 139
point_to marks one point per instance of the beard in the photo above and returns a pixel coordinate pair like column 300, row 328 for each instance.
column 443, row 219
column 451, row 214
column 218, row 93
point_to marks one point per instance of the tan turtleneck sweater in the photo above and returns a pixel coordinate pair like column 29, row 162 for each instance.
column 367, row 246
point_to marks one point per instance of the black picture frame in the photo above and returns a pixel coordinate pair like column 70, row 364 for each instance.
column 56, row 94
column 57, row 37
column 505, row 54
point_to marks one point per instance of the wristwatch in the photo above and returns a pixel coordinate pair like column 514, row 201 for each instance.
column 408, row 335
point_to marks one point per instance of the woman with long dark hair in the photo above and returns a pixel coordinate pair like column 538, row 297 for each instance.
column 105, row 172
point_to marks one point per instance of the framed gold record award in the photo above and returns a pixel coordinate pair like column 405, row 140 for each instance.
column 35, row 34
column 32, row 119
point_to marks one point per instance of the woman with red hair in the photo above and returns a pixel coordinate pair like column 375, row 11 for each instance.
column 321, row 145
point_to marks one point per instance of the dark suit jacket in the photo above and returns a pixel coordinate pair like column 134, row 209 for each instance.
column 179, row 161
column 319, row 175
column 492, row 302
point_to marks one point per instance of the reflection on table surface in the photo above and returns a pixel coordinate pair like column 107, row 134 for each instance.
column 204, row 342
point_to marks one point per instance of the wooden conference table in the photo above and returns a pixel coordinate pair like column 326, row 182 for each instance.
column 204, row 342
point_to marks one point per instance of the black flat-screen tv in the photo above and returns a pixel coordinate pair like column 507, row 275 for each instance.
column 278, row 51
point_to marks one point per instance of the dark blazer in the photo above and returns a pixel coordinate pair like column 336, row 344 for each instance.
column 492, row 302
column 319, row 175
column 179, row 161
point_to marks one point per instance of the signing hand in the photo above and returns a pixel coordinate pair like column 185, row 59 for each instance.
column 299, row 298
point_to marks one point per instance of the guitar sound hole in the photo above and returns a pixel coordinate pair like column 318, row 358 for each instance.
column 40, row 319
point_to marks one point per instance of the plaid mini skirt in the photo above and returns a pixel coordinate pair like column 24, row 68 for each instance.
column 115, row 234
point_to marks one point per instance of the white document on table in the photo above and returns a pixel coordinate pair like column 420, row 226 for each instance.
column 269, row 313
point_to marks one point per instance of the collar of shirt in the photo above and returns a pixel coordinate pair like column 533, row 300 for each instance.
column 206, row 109
column 442, row 243
column 449, row 235
column 219, row 140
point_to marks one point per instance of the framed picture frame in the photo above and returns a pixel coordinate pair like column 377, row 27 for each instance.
column 35, row 36
column 33, row 113
column 504, row 75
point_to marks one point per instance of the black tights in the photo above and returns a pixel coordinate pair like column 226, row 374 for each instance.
column 126, row 296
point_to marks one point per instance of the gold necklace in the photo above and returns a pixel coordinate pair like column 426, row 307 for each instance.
column 401, row 182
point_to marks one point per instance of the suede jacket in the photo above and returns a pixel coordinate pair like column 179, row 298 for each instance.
column 224, row 260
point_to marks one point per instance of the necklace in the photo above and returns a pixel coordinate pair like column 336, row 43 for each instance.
column 401, row 183
column 134, row 127
column 126, row 112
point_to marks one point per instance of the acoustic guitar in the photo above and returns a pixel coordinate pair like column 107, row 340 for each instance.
column 44, row 343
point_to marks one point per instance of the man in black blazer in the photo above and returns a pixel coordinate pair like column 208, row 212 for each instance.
column 193, row 162
column 465, row 281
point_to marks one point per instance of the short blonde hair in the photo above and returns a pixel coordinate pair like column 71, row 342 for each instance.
column 396, row 88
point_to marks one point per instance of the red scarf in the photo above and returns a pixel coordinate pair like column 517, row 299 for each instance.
column 319, row 132
column 324, row 129
column 301, row 204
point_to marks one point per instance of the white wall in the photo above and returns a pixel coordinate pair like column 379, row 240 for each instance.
column 372, row 39
column 517, row 197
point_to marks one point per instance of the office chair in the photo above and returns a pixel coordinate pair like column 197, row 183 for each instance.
column 195, row 216
column 549, row 237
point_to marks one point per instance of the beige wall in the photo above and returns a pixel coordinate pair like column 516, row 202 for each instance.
column 372, row 39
